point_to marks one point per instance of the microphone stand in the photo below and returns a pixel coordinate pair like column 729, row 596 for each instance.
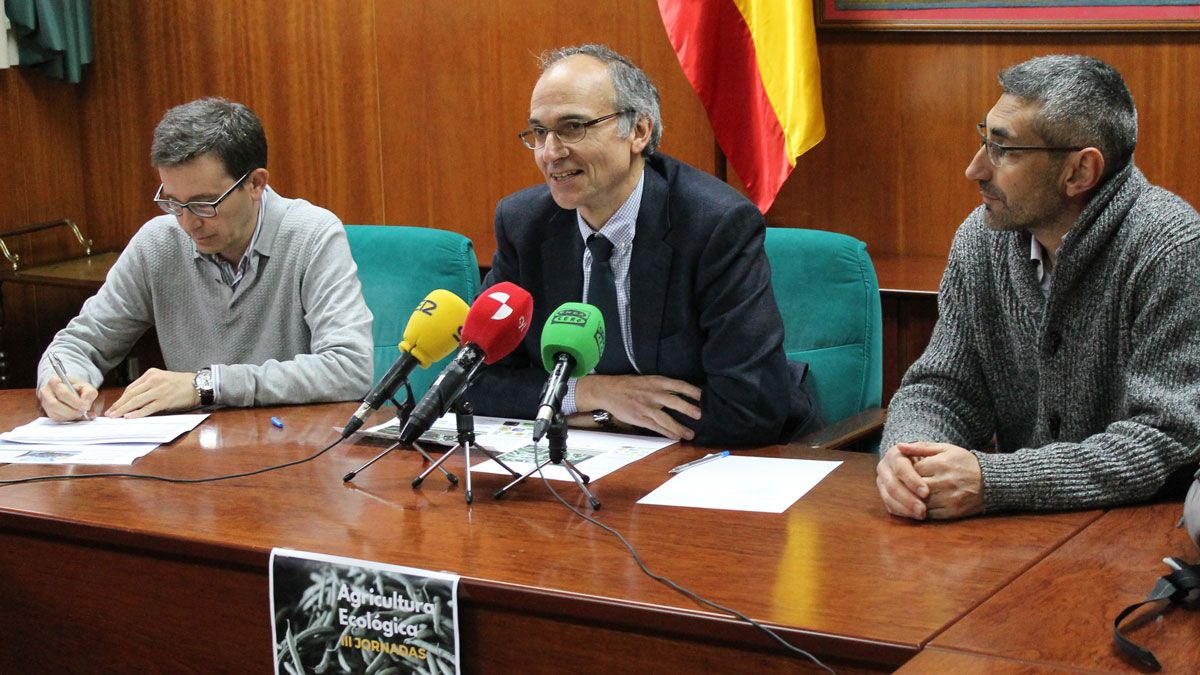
column 557, row 441
column 402, row 413
column 465, row 419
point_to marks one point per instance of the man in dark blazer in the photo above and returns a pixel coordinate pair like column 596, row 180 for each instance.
column 694, row 337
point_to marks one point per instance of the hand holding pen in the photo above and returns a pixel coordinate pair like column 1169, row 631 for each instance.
column 69, row 402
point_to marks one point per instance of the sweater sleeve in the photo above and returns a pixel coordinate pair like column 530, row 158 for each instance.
column 1157, row 430
column 340, row 364
column 944, row 396
column 109, row 324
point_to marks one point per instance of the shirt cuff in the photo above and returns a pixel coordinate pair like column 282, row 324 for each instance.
column 568, row 402
column 216, row 382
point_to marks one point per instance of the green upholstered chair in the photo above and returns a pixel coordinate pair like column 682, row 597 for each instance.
column 398, row 266
column 829, row 297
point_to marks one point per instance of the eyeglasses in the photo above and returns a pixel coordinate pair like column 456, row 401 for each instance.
column 996, row 152
column 568, row 132
column 200, row 209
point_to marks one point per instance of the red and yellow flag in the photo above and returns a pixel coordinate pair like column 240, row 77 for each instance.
column 754, row 65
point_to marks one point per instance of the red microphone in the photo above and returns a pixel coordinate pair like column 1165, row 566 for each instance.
column 496, row 323
column 498, row 320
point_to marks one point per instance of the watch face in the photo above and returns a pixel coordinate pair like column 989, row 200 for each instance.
column 204, row 386
column 204, row 379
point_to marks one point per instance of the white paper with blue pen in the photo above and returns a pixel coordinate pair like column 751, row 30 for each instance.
column 739, row 483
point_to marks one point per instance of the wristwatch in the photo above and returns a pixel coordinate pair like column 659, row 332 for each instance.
column 602, row 418
column 204, row 386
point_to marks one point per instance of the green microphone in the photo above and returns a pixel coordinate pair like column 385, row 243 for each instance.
column 572, row 342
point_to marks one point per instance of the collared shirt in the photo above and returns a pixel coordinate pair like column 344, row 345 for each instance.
column 232, row 276
column 1037, row 253
column 620, row 230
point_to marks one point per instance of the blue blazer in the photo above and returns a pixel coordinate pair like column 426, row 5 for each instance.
column 701, row 304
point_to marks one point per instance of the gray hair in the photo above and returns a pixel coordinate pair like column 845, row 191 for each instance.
column 1083, row 101
column 634, row 90
column 229, row 130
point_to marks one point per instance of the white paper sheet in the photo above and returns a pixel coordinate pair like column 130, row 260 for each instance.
column 741, row 483
column 595, row 453
column 36, row 453
column 157, row 429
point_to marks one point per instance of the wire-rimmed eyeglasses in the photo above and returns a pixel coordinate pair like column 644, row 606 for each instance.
column 568, row 132
column 996, row 152
column 200, row 209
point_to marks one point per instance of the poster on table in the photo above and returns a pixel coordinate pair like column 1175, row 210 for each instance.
column 331, row 614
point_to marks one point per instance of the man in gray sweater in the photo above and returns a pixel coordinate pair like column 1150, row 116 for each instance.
column 255, row 298
column 1069, row 318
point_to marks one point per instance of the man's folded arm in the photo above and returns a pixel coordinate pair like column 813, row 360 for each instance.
column 747, row 391
column 944, row 397
column 1159, row 432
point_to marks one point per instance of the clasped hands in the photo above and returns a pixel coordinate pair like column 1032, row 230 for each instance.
column 640, row 401
column 155, row 391
column 930, row 480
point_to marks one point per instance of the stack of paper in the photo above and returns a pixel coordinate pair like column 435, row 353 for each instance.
column 596, row 453
column 102, row 440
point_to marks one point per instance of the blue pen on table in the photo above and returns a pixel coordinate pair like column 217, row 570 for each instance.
column 276, row 422
column 703, row 460
column 61, row 372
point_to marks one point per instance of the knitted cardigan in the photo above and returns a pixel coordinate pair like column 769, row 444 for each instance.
column 1092, row 393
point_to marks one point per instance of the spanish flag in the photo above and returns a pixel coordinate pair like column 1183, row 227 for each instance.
column 754, row 65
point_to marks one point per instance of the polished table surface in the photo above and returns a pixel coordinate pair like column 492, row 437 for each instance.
column 834, row 573
column 1060, row 613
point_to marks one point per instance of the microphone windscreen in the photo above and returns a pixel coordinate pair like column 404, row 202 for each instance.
column 435, row 326
column 575, row 329
column 498, row 320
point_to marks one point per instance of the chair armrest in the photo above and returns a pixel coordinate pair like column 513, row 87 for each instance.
column 857, row 432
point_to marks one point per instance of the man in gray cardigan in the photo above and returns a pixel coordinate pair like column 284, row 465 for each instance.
column 1069, row 318
column 254, row 297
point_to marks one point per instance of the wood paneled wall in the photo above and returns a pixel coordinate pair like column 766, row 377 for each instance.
column 900, row 110
column 405, row 111
column 41, row 172
column 307, row 68
column 390, row 112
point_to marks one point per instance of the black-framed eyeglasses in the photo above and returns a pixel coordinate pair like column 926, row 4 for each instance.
column 996, row 152
column 200, row 209
column 568, row 132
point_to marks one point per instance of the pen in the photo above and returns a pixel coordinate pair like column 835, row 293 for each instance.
column 62, row 375
column 707, row 458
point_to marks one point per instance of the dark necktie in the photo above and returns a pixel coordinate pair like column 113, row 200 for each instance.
column 602, row 292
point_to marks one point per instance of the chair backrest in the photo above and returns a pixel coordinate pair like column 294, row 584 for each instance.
column 398, row 266
column 828, row 295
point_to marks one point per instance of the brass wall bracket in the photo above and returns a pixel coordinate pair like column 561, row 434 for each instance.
column 15, row 258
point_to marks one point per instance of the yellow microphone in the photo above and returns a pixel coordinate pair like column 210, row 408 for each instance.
column 433, row 331
column 435, row 328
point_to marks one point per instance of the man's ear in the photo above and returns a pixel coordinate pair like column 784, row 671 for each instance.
column 258, row 182
column 640, row 136
column 1083, row 172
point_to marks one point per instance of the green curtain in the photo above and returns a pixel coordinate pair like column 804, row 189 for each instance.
column 54, row 35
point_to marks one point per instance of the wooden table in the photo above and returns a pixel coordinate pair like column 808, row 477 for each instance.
column 115, row 574
column 1060, row 613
